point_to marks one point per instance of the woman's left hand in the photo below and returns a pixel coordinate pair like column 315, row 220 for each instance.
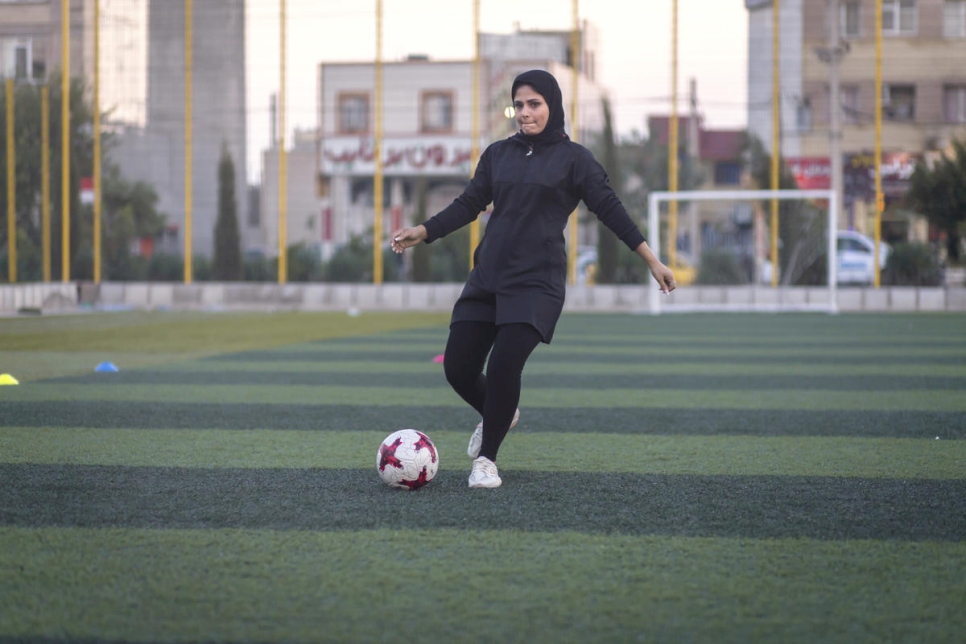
column 664, row 277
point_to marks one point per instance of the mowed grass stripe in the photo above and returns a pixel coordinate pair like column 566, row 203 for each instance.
column 813, row 399
column 598, row 452
column 423, row 367
column 262, row 585
column 555, row 419
column 656, row 359
column 654, row 348
column 733, row 341
column 530, row 380
column 760, row 507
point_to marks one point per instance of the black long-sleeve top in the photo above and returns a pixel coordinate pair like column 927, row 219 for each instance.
column 533, row 189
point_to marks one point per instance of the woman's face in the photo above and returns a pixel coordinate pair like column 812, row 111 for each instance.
column 532, row 112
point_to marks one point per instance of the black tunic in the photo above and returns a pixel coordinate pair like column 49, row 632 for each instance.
column 520, row 266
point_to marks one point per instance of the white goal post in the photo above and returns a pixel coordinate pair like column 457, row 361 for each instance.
column 656, row 199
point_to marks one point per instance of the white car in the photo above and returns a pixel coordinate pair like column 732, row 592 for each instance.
column 854, row 253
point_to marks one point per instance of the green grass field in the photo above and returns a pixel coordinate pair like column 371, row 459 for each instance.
column 683, row 478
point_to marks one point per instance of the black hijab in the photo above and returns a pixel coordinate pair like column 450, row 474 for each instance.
column 544, row 84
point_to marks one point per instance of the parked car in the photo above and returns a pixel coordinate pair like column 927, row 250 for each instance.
column 854, row 263
column 854, row 254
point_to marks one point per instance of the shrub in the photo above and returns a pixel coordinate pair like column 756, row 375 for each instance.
column 720, row 268
column 912, row 265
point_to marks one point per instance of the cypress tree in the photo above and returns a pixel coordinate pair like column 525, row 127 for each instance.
column 607, row 243
column 228, row 259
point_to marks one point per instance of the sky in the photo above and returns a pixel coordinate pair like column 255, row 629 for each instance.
column 634, row 62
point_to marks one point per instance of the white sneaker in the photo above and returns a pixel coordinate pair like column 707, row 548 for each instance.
column 484, row 474
column 476, row 440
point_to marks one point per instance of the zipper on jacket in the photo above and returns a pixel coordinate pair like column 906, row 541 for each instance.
column 530, row 151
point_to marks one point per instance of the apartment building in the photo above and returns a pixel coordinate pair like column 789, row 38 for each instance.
column 142, row 91
column 427, row 125
column 923, row 88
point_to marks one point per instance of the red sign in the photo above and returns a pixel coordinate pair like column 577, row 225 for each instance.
column 811, row 173
column 87, row 190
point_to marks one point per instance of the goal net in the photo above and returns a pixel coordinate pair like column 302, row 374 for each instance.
column 722, row 253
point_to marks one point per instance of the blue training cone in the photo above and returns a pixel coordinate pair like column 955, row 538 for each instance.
column 106, row 367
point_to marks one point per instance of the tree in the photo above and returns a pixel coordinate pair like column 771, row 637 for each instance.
column 27, row 142
column 228, row 256
column 802, row 226
column 940, row 194
column 607, row 243
column 129, row 209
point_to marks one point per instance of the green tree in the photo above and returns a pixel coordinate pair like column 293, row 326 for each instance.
column 939, row 193
column 228, row 256
column 28, row 173
column 129, row 210
column 607, row 243
column 802, row 256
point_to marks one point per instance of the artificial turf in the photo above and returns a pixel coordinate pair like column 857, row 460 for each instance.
column 677, row 478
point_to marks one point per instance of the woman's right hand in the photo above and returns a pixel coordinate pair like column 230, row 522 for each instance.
column 406, row 237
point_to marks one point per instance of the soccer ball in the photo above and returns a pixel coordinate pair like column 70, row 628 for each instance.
column 407, row 459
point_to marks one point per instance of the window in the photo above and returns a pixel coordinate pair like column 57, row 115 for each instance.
column 954, row 103
column 21, row 64
column 898, row 17
column 437, row 112
column 803, row 115
column 16, row 59
column 851, row 113
column 727, row 173
column 353, row 113
column 849, row 19
column 899, row 102
column 954, row 19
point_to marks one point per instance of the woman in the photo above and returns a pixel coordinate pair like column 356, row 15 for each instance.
column 515, row 293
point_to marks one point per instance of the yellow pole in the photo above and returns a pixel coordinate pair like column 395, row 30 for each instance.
column 45, row 179
column 879, row 199
column 377, row 151
column 282, row 160
column 65, row 140
column 188, row 268
column 11, row 188
column 97, row 142
column 775, row 135
column 672, row 146
column 475, row 143
column 574, row 66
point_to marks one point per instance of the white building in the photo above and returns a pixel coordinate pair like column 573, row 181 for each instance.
column 427, row 125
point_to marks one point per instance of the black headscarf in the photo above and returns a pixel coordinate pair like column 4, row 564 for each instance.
column 546, row 86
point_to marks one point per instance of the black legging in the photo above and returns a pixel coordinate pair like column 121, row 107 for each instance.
column 496, row 395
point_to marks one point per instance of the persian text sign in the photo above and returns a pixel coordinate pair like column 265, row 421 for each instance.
column 811, row 173
column 896, row 168
column 400, row 156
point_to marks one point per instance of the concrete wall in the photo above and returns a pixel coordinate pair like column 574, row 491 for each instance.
column 440, row 297
column 46, row 297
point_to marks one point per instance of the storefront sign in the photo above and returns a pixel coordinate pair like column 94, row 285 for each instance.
column 409, row 156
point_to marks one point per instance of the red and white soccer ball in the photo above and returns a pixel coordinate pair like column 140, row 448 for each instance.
column 407, row 459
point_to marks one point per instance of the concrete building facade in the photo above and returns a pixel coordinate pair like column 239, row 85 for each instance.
column 142, row 92
column 923, row 94
column 427, row 134
column 923, row 75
